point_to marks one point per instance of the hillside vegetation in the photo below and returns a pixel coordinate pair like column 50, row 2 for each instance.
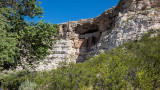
column 132, row 66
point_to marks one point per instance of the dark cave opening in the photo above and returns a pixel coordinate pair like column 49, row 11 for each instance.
column 90, row 31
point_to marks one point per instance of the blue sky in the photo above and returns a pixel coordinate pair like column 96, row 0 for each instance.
column 59, row 11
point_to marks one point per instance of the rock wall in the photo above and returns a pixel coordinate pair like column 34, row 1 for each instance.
column 77, row 40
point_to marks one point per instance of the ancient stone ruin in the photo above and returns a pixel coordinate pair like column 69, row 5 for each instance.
column 77, row 40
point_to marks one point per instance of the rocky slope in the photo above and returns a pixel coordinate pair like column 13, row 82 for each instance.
column 78, row 40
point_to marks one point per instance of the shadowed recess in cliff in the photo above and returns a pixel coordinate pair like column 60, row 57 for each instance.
column 89, row 36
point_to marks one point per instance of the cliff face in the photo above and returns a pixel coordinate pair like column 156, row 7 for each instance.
column 77, row 40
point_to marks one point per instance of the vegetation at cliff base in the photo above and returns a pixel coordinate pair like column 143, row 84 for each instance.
column 132, row 66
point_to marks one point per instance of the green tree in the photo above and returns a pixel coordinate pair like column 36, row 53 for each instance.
column 22, row 39
column 35, row 39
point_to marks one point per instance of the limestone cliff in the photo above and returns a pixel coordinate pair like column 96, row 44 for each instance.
column 76, row 40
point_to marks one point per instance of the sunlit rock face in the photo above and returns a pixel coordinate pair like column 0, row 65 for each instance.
column 78, row 40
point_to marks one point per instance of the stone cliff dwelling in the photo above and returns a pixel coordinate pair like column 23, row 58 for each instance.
column 87, row 38
column 85, row 42
column 76, row 40
column 84, row 37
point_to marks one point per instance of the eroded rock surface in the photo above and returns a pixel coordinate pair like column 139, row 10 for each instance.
column 77, row 40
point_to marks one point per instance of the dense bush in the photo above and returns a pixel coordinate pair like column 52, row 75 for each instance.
column 135, row 65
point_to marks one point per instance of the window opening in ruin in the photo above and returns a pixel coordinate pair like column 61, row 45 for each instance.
column 94, row 40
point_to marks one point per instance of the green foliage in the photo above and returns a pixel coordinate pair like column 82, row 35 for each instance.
column 23, row 8
column 8, row 49
column 36, row 39
column 15, row 79
column 20, row 39
column 27, row 85
column 133, row 66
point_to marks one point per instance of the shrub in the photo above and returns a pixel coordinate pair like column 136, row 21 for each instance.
column 27, row 85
